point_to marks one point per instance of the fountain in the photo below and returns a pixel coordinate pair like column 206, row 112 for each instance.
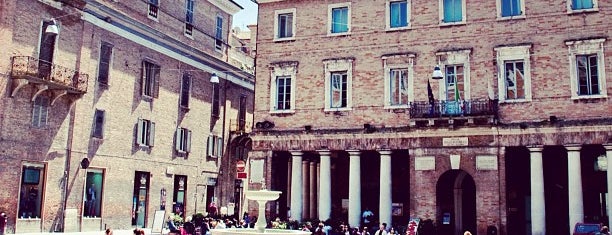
column 262, row 197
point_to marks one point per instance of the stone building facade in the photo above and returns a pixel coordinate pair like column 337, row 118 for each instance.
column 111, row 111
column 471, row 114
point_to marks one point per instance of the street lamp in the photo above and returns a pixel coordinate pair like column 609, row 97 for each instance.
column 214, row 78
column 52, row 28
column 437, row 73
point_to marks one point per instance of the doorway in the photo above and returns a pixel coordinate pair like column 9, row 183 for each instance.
column 456, row 202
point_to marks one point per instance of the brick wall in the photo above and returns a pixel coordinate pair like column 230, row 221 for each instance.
column 546, row 26
column 66, row 140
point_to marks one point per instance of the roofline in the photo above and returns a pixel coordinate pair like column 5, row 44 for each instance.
column 235, row 3
column 148, row 37
column 266, row 1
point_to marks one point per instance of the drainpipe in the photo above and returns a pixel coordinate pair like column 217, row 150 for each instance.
column 225, row 143
column 67, row 168
column 69, row 138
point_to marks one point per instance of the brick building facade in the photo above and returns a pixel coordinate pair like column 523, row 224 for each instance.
column 469, row 113
column 113, row 110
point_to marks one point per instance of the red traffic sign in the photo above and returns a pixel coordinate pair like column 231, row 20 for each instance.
column 241, row 175
column 240, row 166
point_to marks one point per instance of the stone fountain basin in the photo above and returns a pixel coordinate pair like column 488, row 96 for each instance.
column 262, row 195
column 234, row 231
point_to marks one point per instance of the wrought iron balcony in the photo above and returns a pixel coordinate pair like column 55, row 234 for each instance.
column 237, row 125
column 53, row 76
column 464, row 108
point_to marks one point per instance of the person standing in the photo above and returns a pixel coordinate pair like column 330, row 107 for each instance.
column 381, row 229
column 365, row 231
column 212, row 209
column 367, row 217
column 605, row 230
column 91, row 201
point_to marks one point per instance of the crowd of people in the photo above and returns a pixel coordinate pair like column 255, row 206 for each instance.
column 202, row 226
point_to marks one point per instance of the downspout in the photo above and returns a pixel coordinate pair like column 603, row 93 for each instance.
column 244, row 207
column 67, row 167
column 223, row 167
column 69, row 139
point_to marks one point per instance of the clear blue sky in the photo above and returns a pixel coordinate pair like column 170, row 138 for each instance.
column 246, row 16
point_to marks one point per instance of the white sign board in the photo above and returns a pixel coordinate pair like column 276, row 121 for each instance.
column 345, row 204
column 158, row 221
column 486, row 162
column 455, row 141
column 425, row 163
column 230, row 208
column 257, row 171
column 455, row 160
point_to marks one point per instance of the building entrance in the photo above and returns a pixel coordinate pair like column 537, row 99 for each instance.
column 456, row 202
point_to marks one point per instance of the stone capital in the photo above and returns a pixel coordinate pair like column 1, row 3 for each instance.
column 296, row 153
column 354, row 153
column 572, row 147
column 385, row 152
column 535, row 148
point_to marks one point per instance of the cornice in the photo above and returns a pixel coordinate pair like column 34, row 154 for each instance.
column 228, row 6
column 268, row 1
column 137, row 32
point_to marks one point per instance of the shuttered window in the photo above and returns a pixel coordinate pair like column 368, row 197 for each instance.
column 214, row 146
column 145, row 133
column 98, row 125
column 182, row 140
column 150, row 79
column 185, row 90
column 106, row 51
column 40, row 111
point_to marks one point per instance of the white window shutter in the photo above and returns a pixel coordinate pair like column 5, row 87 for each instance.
column 188, row 141
column 36, row 112
column 43, row 111
column 155, row 84
column 151, row 135
column 139, row 137
column 209, row 147
column 220, row 147
column 143, row 80
column 177, row 140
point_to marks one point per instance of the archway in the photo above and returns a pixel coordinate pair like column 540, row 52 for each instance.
column 456, row 202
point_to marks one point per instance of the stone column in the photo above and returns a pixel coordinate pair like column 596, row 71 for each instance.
column 296, row 185
column 385, row 201
column 354, row 210
column 318, row 190
column 325, row 185
column 305, row 189
column 289, row 184
column 609, row 177
column 574, row 186
column 538, row 217
column 313, row 190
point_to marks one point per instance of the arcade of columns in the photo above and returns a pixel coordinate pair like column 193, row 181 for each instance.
column 304, row 184
column 304, row 203
column 574, row 175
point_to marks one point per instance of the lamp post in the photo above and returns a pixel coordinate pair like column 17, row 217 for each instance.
column 214, row 78
column 436, row 75
column 52, row 28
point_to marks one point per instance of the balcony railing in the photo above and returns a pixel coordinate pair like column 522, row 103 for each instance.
column 424, row 109
column 237, row 125
column 39, row 71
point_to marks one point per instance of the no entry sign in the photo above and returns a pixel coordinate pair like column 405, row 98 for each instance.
column 240, row 166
